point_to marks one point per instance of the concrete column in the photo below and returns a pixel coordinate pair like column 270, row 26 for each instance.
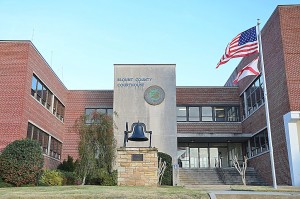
column 291, row 125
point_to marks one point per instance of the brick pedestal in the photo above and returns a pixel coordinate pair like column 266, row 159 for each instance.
column 137, row 166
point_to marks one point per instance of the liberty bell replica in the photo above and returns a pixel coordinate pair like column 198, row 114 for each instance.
column 138, row 131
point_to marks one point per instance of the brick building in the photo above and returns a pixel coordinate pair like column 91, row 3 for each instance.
column 213, row 123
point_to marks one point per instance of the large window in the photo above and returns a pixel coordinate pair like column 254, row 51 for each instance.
column 34, row 133
column 253, row 97
column 58, row 109
column 259, row 143
column 40, row 92
column 208, row 114
column 89, row 112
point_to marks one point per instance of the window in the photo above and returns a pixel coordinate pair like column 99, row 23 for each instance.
column 254, row 96
column 219, row 114
column 208, row 114
column 89, row 112
column 181, row 114
column 58, row 109
column 194, row 114
column 40, row 92
column 34, row 133
column 55, row 148
column 259, row 143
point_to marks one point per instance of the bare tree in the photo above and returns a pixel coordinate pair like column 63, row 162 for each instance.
column 242, row 171
column 161, row 170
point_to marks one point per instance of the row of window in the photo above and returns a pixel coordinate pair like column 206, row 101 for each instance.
column 258, row 144
column 40, row 92
column 90, row 117
column 208, row 114
column 49, row 144
column 253, row 97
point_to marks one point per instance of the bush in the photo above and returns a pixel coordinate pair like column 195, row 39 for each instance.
column 103, row 177
column 167, row 178
column 21, row 162
column 52, row 178
column 70, row 178
column 4, row 184
column 67, row 165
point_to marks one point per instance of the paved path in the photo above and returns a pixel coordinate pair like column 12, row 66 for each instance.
column 252, row 194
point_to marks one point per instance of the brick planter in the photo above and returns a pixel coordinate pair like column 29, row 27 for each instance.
column 137, row 166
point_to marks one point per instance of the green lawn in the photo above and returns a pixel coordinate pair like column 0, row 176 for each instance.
column 101, row 192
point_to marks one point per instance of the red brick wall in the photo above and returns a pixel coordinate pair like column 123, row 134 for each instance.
column 18, row 61
column 209, row 127
column 77, row 102
column 262, row 166
column 281, row 41
column 207, row 95
column 13, row 62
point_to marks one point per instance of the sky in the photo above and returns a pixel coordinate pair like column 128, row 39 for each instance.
column 82, row 40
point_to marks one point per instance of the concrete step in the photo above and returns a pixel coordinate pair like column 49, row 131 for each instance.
column 217, row 176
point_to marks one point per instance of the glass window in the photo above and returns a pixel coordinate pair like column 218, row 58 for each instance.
column 29, row 131
column 219, row 114
column 49, row 99
column 33, row 86
column 39, row 90
column 90, row 113
column 181, row 114
column 259, row 143
column 44, row 95
column 254, row 96
column 207, row 114
column 194, row 114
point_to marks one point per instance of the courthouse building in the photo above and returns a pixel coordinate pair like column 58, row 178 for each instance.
column 200, row 127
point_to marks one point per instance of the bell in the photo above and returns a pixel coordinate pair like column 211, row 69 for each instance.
column 138, row 133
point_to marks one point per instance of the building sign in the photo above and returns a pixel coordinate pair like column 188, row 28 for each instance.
column 132, row 81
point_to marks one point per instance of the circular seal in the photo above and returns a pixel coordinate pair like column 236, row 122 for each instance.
column 154, row 95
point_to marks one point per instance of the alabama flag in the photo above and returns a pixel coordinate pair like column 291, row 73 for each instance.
column 250, row 69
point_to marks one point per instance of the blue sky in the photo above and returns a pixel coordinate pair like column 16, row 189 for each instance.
column 85, row 38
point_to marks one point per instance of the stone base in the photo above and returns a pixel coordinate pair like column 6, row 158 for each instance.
column 137, row 166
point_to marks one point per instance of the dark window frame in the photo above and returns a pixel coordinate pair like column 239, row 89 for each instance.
column 186, row 117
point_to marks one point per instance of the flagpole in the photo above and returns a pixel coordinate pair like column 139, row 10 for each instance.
column 267, row 108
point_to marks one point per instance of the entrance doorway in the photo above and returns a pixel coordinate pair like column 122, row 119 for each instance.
column 208, row 155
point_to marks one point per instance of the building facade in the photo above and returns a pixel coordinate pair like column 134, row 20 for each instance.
column 200, row 127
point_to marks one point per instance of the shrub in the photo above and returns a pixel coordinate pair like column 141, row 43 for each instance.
column 70, row 178
column 52, row 178
column 67, row 165
column 21, row 162
column 4, row 184
column 103, row 177
column 167, row 178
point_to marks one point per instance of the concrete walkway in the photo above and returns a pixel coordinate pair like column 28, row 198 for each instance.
column 253, row 195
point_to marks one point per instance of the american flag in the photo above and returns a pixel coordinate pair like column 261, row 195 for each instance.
column 242, row 45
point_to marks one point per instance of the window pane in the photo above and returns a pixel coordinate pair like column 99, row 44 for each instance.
column 29, row 131
column 110, row 112
column 44, row 95
column 207, row 114
column 101, row 111
column 33, row 85
column 181, row 114
column 39, row 90
column 49, row 100
column 194, row 114
column 219, row 114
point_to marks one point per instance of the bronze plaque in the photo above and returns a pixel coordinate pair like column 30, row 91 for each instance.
column 137, row 157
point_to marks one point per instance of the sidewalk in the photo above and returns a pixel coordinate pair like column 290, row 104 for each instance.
column 252, row 195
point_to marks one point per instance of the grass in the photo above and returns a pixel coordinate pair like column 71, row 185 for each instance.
column 101, row 192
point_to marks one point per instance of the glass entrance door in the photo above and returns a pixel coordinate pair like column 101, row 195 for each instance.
column 213, row 155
